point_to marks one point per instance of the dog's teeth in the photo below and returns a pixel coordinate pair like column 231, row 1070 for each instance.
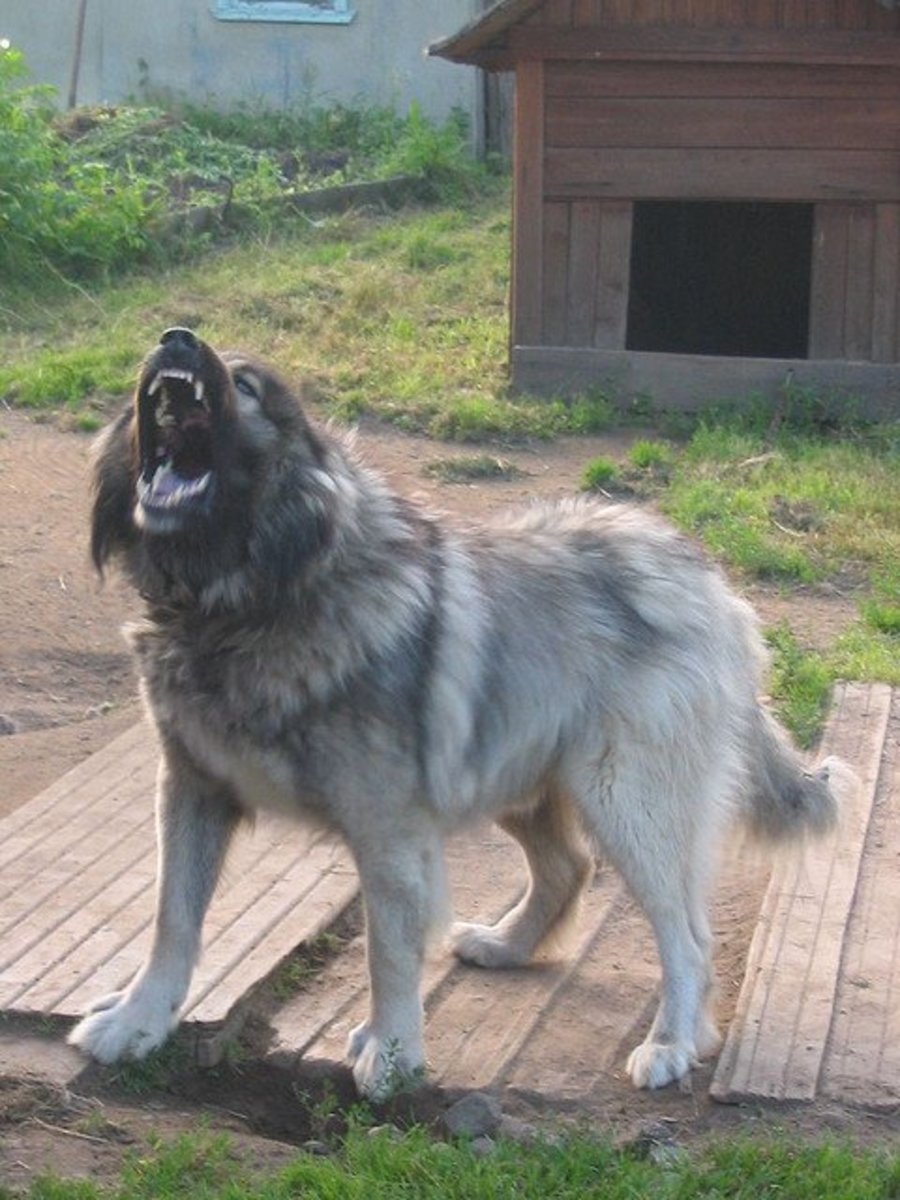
column 198, row 391
column 155, row 384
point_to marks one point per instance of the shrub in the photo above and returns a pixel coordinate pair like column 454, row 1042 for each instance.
column 70, row 217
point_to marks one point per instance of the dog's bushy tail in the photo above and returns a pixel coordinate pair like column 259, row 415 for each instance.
column 783, row 799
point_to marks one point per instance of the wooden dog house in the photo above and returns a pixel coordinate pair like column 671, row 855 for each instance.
column 706, row 194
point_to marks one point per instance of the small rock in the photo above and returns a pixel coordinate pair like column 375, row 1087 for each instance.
column 476, row 1115
column 655, row 1143
column 389, row 1131
column 515, row 1130
column 481, row 1147
column 7, row 725
column 319, row 1149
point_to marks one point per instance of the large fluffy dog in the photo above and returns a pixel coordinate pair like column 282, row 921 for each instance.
column 313, row 642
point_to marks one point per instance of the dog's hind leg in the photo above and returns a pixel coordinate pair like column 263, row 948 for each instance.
column 403, row 885
column 560, row 867
column 195, row 820
column 659, row 827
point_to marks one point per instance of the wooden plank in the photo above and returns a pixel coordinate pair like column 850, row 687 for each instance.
column 44, row 815
column 828, row 293
column 611, row 315
column 660, row 44
column 595, row 80
column 486, row 879
column 863, row 1060
column 315, row 890
column 777, row 1040
column 860, row 281
column 554, row 303
column 113, row 953
column 886, row 298
column 528, row 200
column 583, row 255
column 82, row 925
column 860, row 123
column 722, row 174
column 481, row 1022
column 689, row 382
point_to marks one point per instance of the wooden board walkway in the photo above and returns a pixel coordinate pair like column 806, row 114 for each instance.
column 77, row 878
column 818, row 1013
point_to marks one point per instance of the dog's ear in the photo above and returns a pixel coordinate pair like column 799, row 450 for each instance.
column 112, row 524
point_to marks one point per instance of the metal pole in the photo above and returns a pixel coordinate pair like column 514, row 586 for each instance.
column 76, row 61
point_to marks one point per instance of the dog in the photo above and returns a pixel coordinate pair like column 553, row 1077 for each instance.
column 313, row 642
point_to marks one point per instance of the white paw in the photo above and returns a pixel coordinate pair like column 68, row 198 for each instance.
column 708, row 1039
column 483, row 946
column 383, row 1066
column 125, row 1025
column 654, row 1064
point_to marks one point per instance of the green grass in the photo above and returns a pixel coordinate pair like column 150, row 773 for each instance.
column 386, row 1167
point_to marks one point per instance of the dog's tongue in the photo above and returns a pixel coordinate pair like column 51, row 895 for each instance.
column 165, row 482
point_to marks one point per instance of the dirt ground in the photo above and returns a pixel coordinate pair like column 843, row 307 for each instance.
column 67, row 687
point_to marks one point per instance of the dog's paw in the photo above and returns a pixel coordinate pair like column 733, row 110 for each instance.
column 383, row 1066
column 483, row 946
column 655, row 1064
column 124, row 1025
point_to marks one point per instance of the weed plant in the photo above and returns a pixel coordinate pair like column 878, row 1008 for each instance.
column 95, row 191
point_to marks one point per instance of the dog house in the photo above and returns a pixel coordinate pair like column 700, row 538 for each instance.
column 706, row 194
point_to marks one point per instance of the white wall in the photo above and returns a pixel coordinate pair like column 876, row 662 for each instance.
column 177, row 47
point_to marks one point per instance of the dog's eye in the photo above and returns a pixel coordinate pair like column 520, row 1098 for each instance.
column 246, row 387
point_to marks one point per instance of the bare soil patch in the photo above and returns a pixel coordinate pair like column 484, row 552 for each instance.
column 67, row 687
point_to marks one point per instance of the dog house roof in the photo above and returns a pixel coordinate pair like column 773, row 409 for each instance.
column 484, row 42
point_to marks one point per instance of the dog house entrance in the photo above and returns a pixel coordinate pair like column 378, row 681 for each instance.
column 720, row 278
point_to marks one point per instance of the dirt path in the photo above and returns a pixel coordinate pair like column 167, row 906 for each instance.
column 67, row 687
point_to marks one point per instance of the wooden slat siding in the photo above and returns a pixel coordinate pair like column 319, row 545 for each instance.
column 859, row 297
column 863, row 1062
column 777, row 1041
column 581, row 293
column 827, row 307
column 554, row 302
column 703, row 174
column 619, row 80
column 528, row 203
column 588, row 13
column 611, row 318
column 659, row 44
column 557, row 13
column 885, row 306
column 793, row 14
column 689, row 382
column 821, row 14
column 720, row 122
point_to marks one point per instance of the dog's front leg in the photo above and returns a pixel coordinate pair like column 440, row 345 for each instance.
column 195, row 820
column 404, row 896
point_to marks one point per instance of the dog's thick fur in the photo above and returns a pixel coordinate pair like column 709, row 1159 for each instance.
column 313, row 642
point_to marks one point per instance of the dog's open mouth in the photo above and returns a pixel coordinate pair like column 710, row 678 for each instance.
column 176, row 435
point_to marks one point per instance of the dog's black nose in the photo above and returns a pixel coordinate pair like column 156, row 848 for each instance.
column 181, row 339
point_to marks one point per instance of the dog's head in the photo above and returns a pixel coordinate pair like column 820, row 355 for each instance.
column 211, row 465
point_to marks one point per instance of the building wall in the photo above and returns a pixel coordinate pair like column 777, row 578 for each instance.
column 178, row 48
